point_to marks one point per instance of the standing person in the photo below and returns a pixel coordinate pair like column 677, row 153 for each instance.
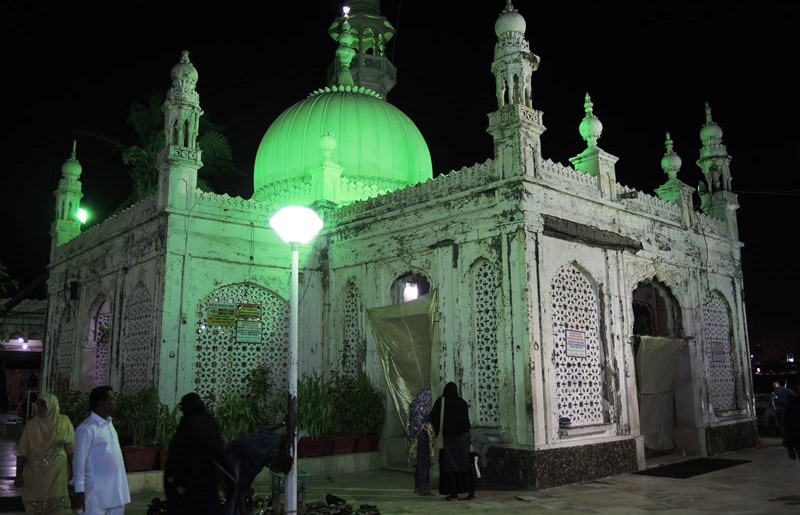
column 782, row 397
column 248, row 455
column 15, row 395
column 420, row 431
column 101, row 485
column 455, row 469
column 190, row 474
column 47, row 443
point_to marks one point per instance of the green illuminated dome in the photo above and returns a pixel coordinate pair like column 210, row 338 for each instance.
column 340, row 144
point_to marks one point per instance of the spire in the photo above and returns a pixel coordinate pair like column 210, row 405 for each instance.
column 671, row 164
column 514, row 63
column 366, row 32
column 714, row 160
column 180, row 158
column 590, row 127
column 345, row 54
column 66, row 225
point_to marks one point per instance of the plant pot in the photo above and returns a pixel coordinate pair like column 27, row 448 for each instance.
column 343, row 444
column 161, row 460
column 138, row 459
column 366, row 443
column 310, row 447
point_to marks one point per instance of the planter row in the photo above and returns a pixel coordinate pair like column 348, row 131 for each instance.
column 328, row 445
column 139, row 459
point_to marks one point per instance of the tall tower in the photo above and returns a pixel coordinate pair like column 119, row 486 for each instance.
column 370, row 31
column 716, row 197
column 180, row 158
column 66, row 225
column 516, row 127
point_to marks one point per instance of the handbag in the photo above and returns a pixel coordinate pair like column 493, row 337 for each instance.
column 440, row 436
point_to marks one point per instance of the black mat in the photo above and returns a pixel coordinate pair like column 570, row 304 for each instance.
column 691, row 468
column 11, row 504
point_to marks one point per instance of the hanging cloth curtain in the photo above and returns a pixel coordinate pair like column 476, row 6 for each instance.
column 655, row 369
column 404, row 335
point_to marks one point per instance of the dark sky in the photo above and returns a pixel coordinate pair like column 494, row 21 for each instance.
column 649, row 69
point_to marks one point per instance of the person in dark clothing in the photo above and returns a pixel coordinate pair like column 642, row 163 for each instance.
column 455, row 469
column 791, row 424
column 420, row 432
column 190, row 474
column 249, row 455
column 782, row 397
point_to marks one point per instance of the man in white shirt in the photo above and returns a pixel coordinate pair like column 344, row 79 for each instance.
column 101, row 485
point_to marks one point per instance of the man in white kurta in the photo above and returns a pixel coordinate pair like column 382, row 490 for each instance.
column 101, row 485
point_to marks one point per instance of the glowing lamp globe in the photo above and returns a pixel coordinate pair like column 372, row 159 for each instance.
column 296, row 225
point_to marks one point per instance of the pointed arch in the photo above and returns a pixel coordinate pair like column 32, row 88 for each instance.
column 719, row 353
column 139, row 348
column 578, row 353
column 240, row 327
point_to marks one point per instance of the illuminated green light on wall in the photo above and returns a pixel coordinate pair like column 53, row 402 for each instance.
column 82, row 215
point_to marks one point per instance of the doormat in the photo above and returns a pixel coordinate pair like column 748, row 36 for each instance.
column 690, row 468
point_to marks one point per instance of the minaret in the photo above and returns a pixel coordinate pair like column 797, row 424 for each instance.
column 515, row 127
column 68, row 197
column 180, row 158
column 370, row 31
column 717, row 199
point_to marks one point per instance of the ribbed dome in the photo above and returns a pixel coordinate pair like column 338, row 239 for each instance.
column 377, row 149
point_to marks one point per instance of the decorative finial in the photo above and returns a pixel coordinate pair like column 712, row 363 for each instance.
column 590, row 128
column 345, row 54
column 708, row 113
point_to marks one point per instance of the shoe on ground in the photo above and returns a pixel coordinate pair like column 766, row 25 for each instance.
column 469, row 497
column 452, row 497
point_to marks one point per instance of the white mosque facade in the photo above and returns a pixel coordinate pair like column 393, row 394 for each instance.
column 588, row 325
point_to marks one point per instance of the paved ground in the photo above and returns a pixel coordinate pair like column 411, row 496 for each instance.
column 768, row 484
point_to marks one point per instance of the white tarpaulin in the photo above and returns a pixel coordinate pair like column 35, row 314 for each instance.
column 403, row 334
column 655, row 369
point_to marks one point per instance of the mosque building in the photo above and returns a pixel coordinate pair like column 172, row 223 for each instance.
column 590, row 326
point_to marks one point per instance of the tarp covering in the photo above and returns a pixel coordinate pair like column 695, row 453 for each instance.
column 655, row 369
column 404, row 337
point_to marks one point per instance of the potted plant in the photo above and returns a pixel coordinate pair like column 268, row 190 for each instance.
column 74, row 404
column 315, row 414
column 165, row 429
column 367, row 401
column 136, row 419
column 343, row 390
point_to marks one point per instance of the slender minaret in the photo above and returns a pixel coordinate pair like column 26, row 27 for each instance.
column 367, row 32
column 180, row 158
column 717, row 199
column 515, row 126
column 66, row 225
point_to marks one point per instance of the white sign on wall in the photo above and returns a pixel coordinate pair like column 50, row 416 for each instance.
column 576, row 343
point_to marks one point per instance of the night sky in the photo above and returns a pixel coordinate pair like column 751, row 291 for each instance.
column 648, row 69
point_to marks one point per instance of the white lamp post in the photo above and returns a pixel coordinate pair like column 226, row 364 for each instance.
column 296, row 226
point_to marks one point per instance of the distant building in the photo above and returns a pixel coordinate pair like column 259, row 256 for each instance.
column 589, row 325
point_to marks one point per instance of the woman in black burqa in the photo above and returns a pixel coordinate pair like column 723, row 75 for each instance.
column 191, row 479
column 455, row 473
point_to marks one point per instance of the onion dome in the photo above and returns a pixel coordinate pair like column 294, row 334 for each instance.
column 510, row 20
column 377, row 149
column 671, row 162
column 710, row 133
column 590, row 128
column 71, row 169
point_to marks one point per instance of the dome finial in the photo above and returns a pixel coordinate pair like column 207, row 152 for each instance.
column 590, row 128
column 345, row 52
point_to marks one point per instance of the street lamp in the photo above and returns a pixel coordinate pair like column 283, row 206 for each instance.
column 296, row 226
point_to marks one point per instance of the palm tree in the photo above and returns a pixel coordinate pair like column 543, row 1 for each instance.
column 7, row 284
column 139, row 158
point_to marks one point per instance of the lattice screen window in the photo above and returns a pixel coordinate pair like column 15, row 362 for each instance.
column 354, row 343
column 138, row 345
column 65, row 350
column 578, row 354
column 102, row 331
column 719, row 354
column 484, row 308
column 239, row 328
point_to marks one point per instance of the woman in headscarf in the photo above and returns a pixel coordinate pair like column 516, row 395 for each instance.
column 420, row 432
column 455, row 473
column 43, row 457
column 190, row 474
